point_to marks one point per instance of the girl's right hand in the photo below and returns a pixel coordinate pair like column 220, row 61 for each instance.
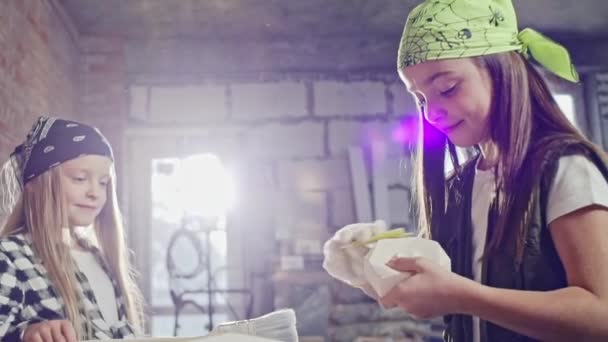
column 342, row 259
column 50, row 331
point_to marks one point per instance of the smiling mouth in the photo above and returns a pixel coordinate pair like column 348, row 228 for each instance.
column 452, row 128
column 86, row 207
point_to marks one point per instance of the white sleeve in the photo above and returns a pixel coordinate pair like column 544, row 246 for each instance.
column 577, row 184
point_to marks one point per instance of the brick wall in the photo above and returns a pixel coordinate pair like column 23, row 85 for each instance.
column 38, row 67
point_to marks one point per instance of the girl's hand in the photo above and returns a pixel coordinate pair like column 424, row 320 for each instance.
column 431, row 291
column 50, row 331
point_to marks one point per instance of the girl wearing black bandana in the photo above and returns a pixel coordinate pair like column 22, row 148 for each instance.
column 64, row 270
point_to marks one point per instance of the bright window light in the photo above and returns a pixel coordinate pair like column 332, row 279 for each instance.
column 199, row 188
column 198, row 185
column 566, row 103
column 205, row 188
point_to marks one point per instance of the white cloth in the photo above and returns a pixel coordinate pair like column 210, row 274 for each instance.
column 100, row 284
column 344, row 261
column 577, row 184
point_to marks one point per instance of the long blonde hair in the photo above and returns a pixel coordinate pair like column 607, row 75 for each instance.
column 42, row 212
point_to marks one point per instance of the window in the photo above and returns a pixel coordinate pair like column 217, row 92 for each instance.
column 192, row 193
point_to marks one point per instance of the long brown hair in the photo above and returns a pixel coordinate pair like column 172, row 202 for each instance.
column 42, row 212
column 524, row 121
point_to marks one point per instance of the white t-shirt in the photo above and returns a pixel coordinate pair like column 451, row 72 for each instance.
column 100, row 284
column 578, row 183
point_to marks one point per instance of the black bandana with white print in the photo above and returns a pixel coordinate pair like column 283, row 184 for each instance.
column 53, row 141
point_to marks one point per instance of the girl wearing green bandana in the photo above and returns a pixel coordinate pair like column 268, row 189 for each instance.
column 531, row 255
column 525, row 221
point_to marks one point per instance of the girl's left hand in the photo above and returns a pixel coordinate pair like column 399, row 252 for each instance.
column 431, row 291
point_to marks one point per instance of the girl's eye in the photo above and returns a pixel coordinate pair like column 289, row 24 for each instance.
column 79, row 179
column 450, row 91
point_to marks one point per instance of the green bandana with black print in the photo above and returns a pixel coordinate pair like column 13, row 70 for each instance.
column 445, row 29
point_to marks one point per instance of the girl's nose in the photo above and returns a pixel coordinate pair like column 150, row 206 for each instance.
column 435, row 114
column 94, row 191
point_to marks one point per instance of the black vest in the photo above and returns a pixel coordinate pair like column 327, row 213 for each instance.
column 540, row 269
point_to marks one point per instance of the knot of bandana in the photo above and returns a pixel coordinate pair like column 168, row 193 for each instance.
column 444, row 29
column 548, row 53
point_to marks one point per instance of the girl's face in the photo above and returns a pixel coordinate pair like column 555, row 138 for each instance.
column 84, row 184
column 455, row 96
